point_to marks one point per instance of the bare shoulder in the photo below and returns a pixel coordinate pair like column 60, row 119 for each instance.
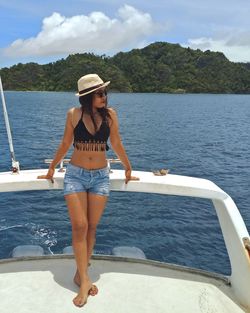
column 110, row 109
column 113, row 117
column 74, row 110
column 112, row 113
column 74, row 114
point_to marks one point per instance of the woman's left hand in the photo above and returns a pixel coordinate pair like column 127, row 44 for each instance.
column 129, row 177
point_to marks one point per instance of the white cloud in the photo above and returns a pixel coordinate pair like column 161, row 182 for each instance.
column 95, row 32
column 234, row 44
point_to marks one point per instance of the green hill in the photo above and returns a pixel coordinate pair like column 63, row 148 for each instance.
column 159, row 67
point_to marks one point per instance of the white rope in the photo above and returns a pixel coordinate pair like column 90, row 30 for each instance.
column 15, row 164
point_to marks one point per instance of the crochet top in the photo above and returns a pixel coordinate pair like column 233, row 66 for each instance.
column 85, row 141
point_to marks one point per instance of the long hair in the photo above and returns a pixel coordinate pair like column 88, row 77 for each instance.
column 86, row 102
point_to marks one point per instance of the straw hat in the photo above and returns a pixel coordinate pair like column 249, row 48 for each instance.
column 89, row 83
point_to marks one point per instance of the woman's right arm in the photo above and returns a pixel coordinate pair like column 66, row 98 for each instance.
column 63, row 147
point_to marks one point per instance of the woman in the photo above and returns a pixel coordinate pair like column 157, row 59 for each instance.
column 86, row 182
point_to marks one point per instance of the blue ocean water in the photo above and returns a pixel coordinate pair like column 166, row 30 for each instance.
column 204, row 136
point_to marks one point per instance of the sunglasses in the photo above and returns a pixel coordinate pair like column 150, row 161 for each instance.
column 101, row 94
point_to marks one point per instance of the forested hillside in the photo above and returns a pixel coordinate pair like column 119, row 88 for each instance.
column 159, row 67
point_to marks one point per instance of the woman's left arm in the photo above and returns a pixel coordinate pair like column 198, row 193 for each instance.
column 118, row 147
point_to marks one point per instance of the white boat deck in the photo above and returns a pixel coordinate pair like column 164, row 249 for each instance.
column 44, row 284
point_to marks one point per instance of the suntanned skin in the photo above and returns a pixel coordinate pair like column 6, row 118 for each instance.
column 85, row 209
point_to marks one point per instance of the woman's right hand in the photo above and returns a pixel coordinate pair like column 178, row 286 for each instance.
column 49, row 175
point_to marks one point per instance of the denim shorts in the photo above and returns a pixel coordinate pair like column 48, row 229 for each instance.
column 78, row 179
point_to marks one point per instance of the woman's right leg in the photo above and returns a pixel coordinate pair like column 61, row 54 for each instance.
column 96, row 206
column 77, row 207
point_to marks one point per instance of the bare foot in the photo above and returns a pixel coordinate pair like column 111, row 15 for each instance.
column 77, row 280
column 93, row 291
column 81, row 299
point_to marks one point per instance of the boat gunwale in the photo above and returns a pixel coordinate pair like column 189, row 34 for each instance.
column 112, row 258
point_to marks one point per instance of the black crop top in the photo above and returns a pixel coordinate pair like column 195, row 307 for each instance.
column 85, row 141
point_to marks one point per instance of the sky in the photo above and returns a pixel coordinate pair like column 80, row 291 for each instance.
column 46, row 31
